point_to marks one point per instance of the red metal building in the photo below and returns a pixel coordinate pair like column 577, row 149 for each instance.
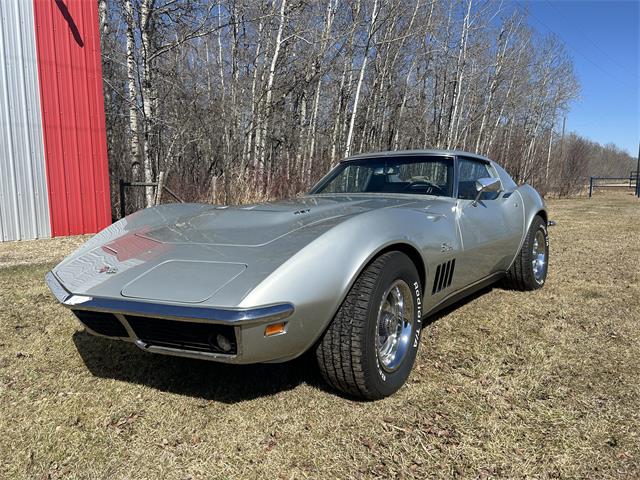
column 67, row 139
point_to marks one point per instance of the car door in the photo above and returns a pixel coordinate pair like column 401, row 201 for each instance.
column 490, row 229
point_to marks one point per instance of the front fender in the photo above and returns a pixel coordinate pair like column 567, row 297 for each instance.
column 317, row 278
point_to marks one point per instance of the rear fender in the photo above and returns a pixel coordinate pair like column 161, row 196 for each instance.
column 533, row 205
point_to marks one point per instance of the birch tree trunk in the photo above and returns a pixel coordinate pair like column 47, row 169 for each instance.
column 103, row 17
column 149, row 94
column 270, row 79
column 495, row 80
column 132, row 93
column 250, row 132
column 363, row 67
column 336, row 123
column 462, row 57
column 329, row 15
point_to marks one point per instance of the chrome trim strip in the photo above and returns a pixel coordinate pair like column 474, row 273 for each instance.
column 127, row 327
column 178, row 312
column 61, row 293
column 179, row 352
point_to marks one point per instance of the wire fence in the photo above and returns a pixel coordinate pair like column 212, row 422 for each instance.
column 632, row 182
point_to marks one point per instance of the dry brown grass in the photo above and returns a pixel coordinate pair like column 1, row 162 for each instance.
column 32, row 252
column 508, row 384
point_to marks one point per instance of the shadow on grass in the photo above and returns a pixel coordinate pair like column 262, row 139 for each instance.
column 463, row 301
column 196, row 378
column 210, row 380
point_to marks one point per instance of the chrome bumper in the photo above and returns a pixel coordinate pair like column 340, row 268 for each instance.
column 252, row 345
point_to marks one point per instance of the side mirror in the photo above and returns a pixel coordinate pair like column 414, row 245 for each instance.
column 486, row 185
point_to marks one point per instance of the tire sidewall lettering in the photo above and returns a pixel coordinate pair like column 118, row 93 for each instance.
column 418, row 319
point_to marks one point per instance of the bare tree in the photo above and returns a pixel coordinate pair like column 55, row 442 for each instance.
column 237, row 100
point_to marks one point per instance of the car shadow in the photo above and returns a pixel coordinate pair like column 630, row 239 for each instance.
column 220, row 382
column 191, row 377
column 454, row 306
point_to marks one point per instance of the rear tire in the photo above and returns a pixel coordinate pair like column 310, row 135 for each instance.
column 529, row 269
column 357, row 354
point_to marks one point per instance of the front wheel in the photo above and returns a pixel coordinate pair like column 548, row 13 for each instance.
column 529, row 269
column 370, row 346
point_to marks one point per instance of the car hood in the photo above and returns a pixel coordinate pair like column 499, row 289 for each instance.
column 207, row 251
column 260, row 224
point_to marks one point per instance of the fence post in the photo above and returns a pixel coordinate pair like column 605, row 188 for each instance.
column 122, row 199
column 590, row 186
column 638, row 174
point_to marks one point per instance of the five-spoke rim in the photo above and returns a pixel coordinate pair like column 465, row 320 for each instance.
column 395, row 323
column 539, row 258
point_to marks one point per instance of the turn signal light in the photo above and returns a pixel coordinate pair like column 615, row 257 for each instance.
column 274, row 329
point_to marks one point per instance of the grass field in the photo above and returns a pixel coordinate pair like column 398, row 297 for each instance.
column 507, row 384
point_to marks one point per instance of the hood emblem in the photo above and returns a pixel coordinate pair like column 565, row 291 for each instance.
column 300, row 212
column 108, row 269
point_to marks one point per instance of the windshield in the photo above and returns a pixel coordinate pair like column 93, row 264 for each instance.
column 408, row 175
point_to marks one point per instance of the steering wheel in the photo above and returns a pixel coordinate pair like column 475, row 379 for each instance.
column 431, row 188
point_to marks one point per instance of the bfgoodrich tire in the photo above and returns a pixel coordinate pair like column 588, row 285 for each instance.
column 370, row 346
column 529, row 269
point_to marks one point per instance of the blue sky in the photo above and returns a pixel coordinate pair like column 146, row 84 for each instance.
column 603, row 39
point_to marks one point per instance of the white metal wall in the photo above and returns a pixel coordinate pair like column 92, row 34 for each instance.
column 24, row 210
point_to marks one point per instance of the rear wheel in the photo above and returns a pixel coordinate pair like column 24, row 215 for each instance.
column 370, row 346
column 529, row 269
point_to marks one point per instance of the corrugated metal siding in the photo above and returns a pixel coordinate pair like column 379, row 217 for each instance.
column 24, row 211
column 70, row 74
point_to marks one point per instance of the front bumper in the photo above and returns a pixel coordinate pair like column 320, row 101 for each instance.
column 183, row 330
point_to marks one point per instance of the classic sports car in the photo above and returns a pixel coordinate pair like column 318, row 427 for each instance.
column 350, row 270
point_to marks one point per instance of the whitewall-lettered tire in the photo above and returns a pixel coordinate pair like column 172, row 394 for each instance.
column 370, row 346
column 529, row 269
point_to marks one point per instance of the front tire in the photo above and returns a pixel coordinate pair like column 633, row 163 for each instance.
column 529, row 269
column 370, row 346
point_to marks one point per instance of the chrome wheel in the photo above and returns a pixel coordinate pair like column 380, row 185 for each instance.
column 395, row 323
column 539, row 256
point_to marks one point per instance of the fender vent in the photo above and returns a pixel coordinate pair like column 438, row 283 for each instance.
column 444, row 275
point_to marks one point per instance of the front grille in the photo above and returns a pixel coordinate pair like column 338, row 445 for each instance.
column 102, row 323
column 197, row 337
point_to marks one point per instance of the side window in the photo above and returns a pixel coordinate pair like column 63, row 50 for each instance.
column 468, row 172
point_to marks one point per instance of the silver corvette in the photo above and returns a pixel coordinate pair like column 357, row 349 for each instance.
column 349, row 271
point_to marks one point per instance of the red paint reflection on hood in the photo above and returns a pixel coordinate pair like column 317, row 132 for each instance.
column 135, row 246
